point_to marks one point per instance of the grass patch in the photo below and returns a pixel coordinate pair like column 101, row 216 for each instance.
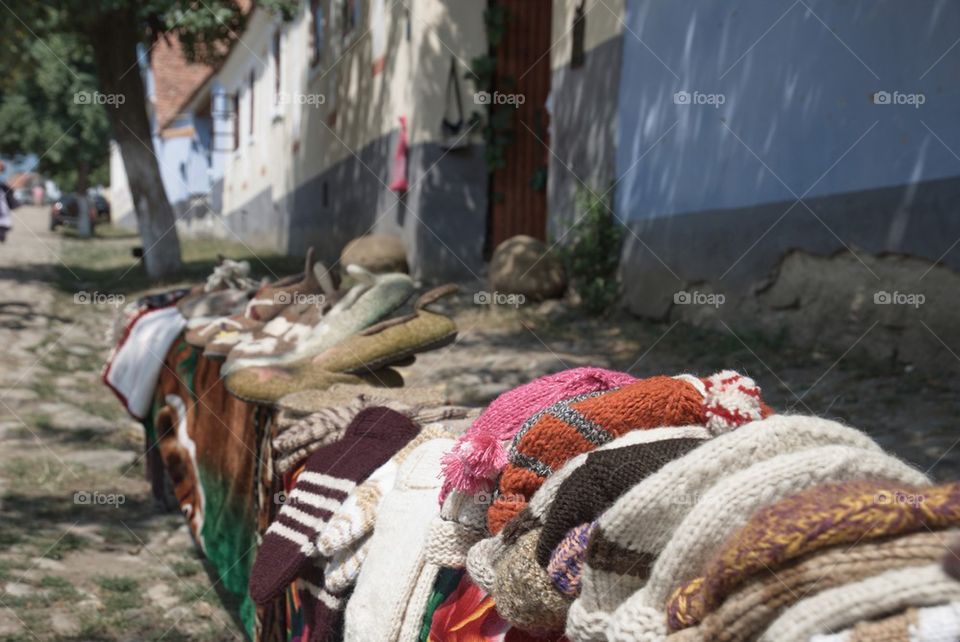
column 119, row 593
column 186, row 568
column 66, row 544
column 107, row 265
column 58, row 588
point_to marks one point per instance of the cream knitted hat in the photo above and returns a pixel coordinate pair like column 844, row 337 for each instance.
column 632, row 532
column 395, row 582
column 726, row 507
column 839, row 608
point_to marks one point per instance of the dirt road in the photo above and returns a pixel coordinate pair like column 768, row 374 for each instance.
column 83, row 553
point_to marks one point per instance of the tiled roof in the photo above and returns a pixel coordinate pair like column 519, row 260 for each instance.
column 175, row 79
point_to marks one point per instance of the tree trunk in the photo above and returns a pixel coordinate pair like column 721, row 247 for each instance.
column 114, row 38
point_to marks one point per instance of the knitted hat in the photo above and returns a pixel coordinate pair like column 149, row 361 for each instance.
column 727, row 506
column 524, row 595
column 606, row 474
column 478, row 456
column 823, row 516
column 481, row 562
column 640, row 524
column 730, row 503
column 929, row 624
column 547, row 440
column 375, row 435
column 345, row 539
column 356, row 516
column 395, row 582
column 747, row 613
column 843, row 606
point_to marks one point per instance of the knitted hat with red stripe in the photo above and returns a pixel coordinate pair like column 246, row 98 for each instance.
column 374, row 436
column 479, row 455
column 580, row 424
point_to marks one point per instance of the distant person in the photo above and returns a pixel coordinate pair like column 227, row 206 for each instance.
column 7, row 204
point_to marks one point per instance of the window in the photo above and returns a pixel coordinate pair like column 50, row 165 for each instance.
column 253, row 80
column 316, row 32
column 277, row 85
column 235, row 107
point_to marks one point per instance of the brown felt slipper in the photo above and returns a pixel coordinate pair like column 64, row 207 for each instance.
column 266, row 385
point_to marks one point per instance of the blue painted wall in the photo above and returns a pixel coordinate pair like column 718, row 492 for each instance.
column 797, row 80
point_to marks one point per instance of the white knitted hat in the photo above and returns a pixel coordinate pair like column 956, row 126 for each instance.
column 395, row 582
column 728, row 506
column 841, row 607
column 645, row 519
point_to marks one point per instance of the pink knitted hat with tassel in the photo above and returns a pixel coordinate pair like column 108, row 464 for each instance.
column 480, row 453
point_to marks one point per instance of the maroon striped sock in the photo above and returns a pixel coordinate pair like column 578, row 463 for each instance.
column 330, row 473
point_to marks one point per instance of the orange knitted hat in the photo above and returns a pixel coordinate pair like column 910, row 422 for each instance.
column 549, row 438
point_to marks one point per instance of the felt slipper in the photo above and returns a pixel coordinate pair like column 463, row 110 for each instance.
column 361, row 307
column 266, row 385
column 361, row 354
column 306, row 402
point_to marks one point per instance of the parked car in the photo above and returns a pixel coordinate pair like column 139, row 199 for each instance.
column 64, row 211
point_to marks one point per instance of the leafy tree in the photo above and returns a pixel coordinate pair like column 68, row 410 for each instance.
column 108, row 33
column 39, row 113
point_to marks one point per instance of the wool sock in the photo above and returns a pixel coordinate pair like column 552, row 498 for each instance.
column 374, row 436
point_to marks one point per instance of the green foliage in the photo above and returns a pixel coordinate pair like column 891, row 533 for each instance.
column 592, row 252
column 47, row 112
column 47, row 74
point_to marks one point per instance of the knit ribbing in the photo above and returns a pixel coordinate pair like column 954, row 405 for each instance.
column 840, row 607
column 823, row 516
column 928, row 624
column 746, row 613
